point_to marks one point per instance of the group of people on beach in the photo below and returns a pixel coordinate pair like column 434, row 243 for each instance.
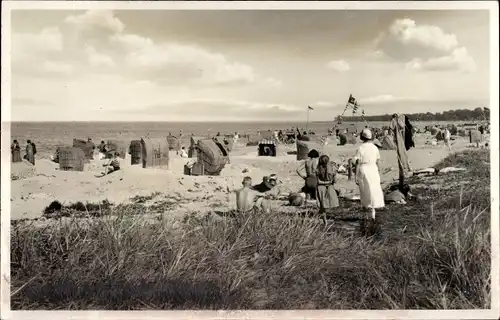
column 29, row 156
column 320, row 176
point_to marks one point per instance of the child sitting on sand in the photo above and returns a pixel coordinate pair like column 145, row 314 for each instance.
column 248, row 199
column 113, row 165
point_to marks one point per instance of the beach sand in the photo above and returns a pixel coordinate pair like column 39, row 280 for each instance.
column 199, row 194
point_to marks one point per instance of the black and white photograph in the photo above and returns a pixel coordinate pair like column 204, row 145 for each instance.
column 222, row 158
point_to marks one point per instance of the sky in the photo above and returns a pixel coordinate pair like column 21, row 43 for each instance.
column 262, row 65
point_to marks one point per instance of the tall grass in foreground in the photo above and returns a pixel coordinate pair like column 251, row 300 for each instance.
column 436, row 259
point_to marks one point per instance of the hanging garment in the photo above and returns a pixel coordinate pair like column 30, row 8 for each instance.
column 398, row 127
column 409, row 142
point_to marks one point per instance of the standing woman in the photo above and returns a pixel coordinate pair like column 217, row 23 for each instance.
column 367, row 173
column 307, row 171
column 15, row 149
column 326, row 194
column 30, row 152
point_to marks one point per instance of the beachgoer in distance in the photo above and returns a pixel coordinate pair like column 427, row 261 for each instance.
column 15, row 151
column 235, row 137
column 184, row 153
column 248, row 199
column 113, row 165
column 447, row 138
column 30, row 152
column 91, row 145
column 367, row 173
column 326, row 194
column 102, row 147
column 89, row 142
column 269, row 187
column 307, row 171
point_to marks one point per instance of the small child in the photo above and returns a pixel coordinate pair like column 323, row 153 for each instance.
column 113, row 165
column 248, row 199
column 184, row 153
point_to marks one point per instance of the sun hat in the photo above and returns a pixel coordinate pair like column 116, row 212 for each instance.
column 367, row 134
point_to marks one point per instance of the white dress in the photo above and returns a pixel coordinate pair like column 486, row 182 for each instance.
column 370, row 190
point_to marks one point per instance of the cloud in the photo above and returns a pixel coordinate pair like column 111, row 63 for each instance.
column 212, row 109
column 459, row 59
column 57, row 67
column 98, row 59
column 174, row 62
column 98, row 38
column 375, row 54
column 272, row 82
column 383, row 98
column 324, row 104
column 96, row 20
column 339, row 65
column 423, row 47
column 48, row 40
column 29, row 49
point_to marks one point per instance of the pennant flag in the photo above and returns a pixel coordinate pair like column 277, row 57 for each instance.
column 351, row 99
column 355, row 107
column 309, row 107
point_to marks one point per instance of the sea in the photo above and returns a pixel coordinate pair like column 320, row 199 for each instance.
column 49, row 135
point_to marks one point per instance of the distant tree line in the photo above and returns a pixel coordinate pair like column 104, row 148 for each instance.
column 451, row 115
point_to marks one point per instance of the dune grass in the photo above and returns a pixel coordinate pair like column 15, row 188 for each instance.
column 433, row 253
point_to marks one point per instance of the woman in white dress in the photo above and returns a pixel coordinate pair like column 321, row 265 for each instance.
column 367, row 173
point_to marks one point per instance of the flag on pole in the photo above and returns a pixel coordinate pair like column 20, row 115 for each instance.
column 355, row 107
column 351, row 100
column 310, row 108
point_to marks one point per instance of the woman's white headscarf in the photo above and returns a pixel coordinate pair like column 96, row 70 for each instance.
column 367, row 134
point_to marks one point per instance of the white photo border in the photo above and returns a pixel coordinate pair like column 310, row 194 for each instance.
column 7, row 6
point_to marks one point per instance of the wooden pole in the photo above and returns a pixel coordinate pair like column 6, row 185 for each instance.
column 349, row 169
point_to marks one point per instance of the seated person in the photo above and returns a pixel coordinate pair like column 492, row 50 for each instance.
column 113, row 165
column 269, row 187
column 184, row 153
column 248, row 199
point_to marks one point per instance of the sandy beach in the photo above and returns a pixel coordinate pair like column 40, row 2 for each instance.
column 198, row 194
